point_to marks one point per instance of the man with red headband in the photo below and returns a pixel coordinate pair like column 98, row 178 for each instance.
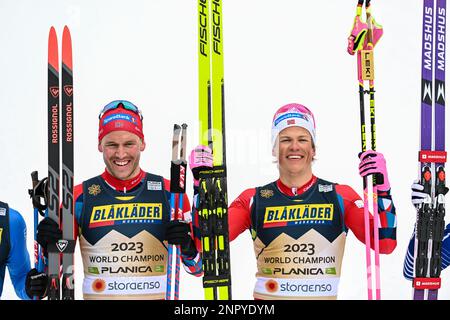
column 299, row 222
column 122, row 219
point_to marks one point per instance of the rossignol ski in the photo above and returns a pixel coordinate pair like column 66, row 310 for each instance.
column 177, row 191
column 49, row 188
column 364, row 36
column 213, row 198
column 432, row 154
column 67, row 245
column 53, row 127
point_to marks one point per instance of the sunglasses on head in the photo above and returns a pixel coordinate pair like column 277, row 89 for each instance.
column 121, row 103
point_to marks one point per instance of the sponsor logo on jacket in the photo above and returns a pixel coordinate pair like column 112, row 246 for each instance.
column 114, row 214
column 298, row 214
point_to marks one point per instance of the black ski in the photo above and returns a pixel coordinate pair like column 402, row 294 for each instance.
column 67, row 245
column 53, row 159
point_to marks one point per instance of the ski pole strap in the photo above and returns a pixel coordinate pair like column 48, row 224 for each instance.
column 427, row 283
column 428, row 156
column 62, row 246
column 39, row 190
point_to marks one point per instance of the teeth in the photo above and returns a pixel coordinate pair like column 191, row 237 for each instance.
column 295, row 157
column 121, row 163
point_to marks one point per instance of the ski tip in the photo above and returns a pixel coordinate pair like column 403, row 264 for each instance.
column 53, row 48
column 66, row 33
column 67, row 48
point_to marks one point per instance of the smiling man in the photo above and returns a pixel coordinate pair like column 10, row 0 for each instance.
column 299, row 222
column 122, row 218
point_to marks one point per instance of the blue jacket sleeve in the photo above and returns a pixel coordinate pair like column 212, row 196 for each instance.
column 18, row 260
column 408, row 265
column 445, row 253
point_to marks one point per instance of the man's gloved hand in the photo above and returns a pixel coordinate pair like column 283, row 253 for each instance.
column 201, row 158
column 48, row 232
column 179, row 233
column 417, row 195
column 36, row 284
column 373, row 162
column 357, row 36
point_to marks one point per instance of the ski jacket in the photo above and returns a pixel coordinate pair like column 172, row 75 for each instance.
column 122, row 238
column 299, row 235
column 13, row 249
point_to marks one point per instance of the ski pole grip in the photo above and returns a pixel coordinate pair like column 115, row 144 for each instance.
column 178, row 176
column 34, row 178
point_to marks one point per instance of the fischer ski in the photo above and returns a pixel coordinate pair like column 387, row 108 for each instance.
column 213, row 198
column 177, row 191
column 362, row 40
column 432, row 155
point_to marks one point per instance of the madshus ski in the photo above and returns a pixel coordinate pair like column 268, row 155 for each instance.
column 432, row 154
column 213, row 198
column 48, row 189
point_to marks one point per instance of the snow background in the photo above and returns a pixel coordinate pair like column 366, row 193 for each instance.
column 275, row 53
